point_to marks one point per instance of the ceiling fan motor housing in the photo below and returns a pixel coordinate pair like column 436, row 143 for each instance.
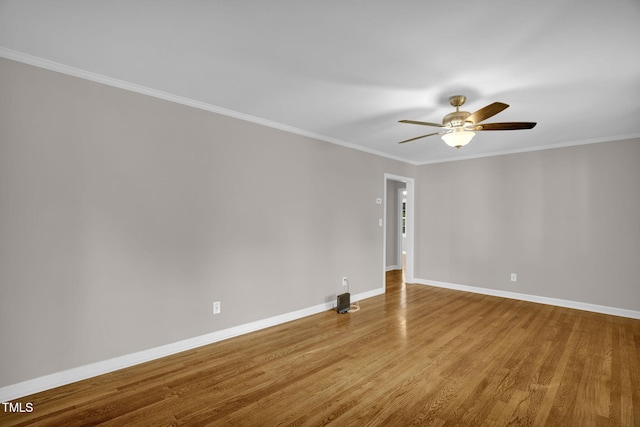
column 456, row 119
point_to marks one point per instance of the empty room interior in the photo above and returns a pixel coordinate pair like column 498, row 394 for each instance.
column 190, row 191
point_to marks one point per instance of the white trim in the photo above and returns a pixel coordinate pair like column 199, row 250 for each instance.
column 536, row 148
column 392, row 267
column 410, row 185
column 368, row 294
column 400, row 242
column 80, row 373
column 132, row 87
column 622, row 312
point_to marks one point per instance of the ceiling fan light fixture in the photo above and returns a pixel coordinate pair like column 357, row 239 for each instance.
column 458, row 137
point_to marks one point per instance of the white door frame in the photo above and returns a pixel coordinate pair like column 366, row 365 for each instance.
column 410, row 183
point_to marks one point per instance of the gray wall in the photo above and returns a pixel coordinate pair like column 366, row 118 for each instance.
column 123, row 217
column 567, row 221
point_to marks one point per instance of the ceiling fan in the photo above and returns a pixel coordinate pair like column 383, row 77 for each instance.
column 459, row 126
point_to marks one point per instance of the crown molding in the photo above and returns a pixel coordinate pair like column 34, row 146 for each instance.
column 132, row 87
column 166, row 96
column 536, row 148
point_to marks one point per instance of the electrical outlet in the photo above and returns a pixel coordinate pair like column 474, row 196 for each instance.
column 514, row 277
column 344, row 281
column 216, row 307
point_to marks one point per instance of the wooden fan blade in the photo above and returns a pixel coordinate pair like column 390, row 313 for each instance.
column 505, row 126
column 419, row 137
column 413, row 122
column 485, row 112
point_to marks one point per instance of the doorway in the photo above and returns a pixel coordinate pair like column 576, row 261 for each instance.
column 398, row 226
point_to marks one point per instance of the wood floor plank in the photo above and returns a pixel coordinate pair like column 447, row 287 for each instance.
column 417, row 355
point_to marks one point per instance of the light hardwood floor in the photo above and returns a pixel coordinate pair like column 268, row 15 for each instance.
column 417, row 355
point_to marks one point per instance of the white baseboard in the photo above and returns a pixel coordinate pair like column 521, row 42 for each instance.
column 80, row 373
column 368, row 294
column 393, row 267
column 622, row 312
column 58, row 379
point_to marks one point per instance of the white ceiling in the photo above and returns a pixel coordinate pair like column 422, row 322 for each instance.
column 347, row 71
